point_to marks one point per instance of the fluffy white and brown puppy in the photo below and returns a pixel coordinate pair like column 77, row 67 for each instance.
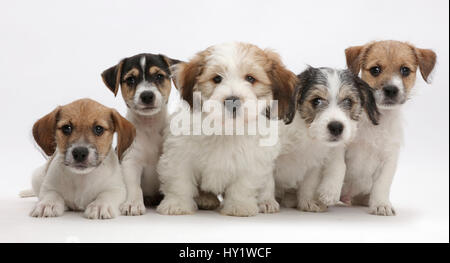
column 237, row 166
column 83, row 172
column 144, row 81
column 390, row 68
column 329, row 103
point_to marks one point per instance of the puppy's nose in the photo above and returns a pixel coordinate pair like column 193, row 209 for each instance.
column 390, row 91
column 147, row 97
column 232, row 104
column 335, row 128
column 80, row 154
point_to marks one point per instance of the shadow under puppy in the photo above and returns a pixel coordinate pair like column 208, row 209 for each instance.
column 389, row 67
column 328, row 103
column 83, row 172
column 230, row 76
column 144, row 81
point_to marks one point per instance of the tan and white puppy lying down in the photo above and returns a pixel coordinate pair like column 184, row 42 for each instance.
column 83, row 172
column 390, row 68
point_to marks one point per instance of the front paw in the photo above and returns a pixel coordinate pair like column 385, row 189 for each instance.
column 175, row 206
column 47, row 209
column 311, row 206
column 132, row 208
column 329, row 196
column 382, row 210
column 96, row 210
column 234, row 208
column 269, row 206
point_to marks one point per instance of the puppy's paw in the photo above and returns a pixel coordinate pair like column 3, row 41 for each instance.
column 269, row 206
column 174, row 206
column 311, row 206
column 382, row 210
column 233, row 208
column 47, row 209
column 98, row 210
column 132, row 208
column 207, row 201
column 329, row 196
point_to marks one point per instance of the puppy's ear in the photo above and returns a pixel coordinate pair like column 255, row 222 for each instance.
column 353, row 57
column 283, row 84
column 185, row 76
column 367, row 99
column 126, row 132
column 111, row 77
column 427, row 60
column 44, row 131
column 169, row 61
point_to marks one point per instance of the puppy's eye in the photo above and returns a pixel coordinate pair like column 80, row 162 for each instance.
column 347, row 102
column 405, row 71
column 130, row 81
column 250, row 79
column 66, row 129
column 217, row 79
column 317, row 102
column 98, row 130
column 159, row 77
column 375, row 71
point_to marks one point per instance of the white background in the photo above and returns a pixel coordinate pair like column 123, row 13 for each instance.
column 52, row 52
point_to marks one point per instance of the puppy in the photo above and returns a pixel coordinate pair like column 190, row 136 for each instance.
column 231, row 76
column 390, row 68
column 330, row 103
column 144, row 80
column 83, row 172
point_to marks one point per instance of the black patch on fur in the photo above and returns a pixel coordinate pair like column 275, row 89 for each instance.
column 367, row 99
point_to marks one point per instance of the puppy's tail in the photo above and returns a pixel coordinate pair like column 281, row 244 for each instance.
column 27, row 193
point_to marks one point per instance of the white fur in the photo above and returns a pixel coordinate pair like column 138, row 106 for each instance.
column 371, row 162
column 98, row 193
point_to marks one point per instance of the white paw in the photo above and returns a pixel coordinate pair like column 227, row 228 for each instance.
column 97, row 210
column 269, row 206
column 311, row 206
column 174, row 206
column 47, row 209
column 207, row 201
column 329, row 196
column 233, row 208
column 132, row 208
column 382, row 210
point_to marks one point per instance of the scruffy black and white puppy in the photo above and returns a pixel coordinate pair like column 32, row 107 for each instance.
column 144, row 80
column 390, row 68
column 237, row 166
column 310, row 169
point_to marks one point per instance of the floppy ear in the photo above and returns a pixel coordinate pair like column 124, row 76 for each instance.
column 126, row 132
column 367, row 100
column 303, row 80
column 185, row 77
column 111, row 77
column 353, row 57
column 283, row 84
column 44, row 131
column 169, row 61
column 427, row 60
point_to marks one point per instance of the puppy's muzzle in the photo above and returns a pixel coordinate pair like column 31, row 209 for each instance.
column 391, row 92
column 232, row 105
column 80, row 154
column 147, row 97
column 335, row 128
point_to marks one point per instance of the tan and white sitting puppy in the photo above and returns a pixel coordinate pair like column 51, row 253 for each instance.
column 390, row 68
column 83, row 172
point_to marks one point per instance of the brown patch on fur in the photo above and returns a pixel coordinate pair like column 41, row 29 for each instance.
column 390, row 56
column 164, row 87
column 83, row 115
column 346, row 92
column 307, row 110
column 125, row 132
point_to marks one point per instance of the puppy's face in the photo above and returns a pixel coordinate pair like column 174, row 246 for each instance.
column 390, row 67
column 83, row 132
column 144, row 80
column 331, row 102
column 235, row 75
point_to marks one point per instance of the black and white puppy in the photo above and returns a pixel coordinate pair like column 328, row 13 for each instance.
column 145, row 85
column 310, row 169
